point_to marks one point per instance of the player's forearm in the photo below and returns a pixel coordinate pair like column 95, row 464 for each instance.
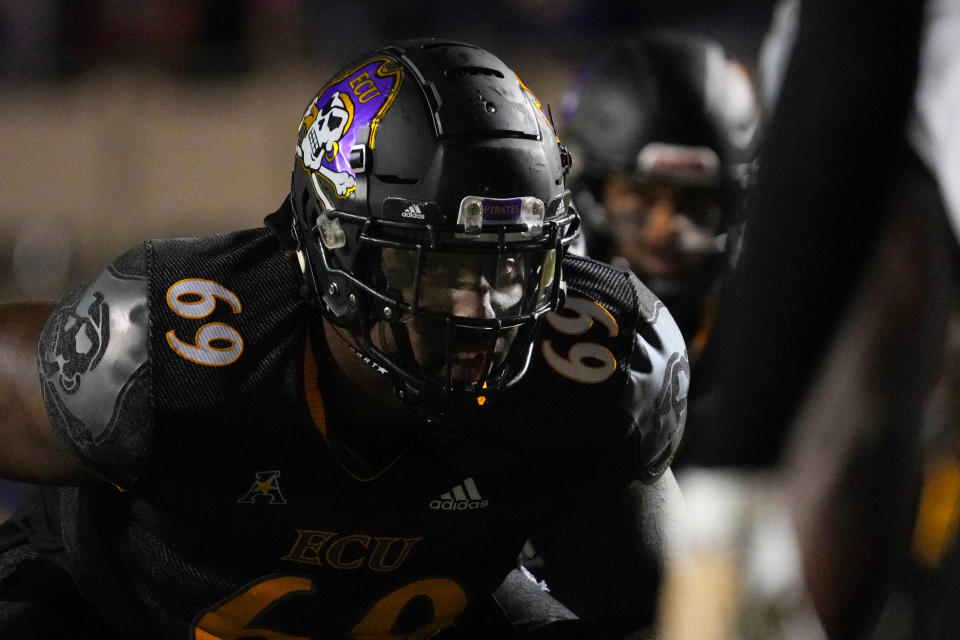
column 658, row 508
column 857, row 460
column 610, row 556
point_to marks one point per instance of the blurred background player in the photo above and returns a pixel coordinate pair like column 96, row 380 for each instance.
column 663, row 131
column 928, row 578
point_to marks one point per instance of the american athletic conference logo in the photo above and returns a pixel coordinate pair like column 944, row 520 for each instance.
column 266, row 484
column 462, row 497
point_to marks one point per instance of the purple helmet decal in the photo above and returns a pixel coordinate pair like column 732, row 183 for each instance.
column 536, row 103
column 331, row 123
column 501, row 210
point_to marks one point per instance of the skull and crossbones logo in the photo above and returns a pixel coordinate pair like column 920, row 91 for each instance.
column 80, row 334
column 321, row 131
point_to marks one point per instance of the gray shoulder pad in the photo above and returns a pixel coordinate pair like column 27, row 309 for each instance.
column 659, row 379
column 93, row 360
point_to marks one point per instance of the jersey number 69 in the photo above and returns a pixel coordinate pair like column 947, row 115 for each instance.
column 215, row 344
column 586, row 362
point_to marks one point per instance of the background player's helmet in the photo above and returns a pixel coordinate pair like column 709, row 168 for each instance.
column 415, row 163
column 667, row 108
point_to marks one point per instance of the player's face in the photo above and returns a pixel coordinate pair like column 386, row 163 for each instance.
column 662, row 230
column 476, row 286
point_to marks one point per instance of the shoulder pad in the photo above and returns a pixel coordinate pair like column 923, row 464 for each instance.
column 659, row 381
column 92, row 360
column 622, row 359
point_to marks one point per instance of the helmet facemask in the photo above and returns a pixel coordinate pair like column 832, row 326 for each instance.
column 450, row 311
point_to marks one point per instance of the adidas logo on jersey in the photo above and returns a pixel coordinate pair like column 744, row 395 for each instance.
column 413, row 211
column 463, row 497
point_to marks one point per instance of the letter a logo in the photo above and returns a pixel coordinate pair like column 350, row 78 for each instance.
column 266, row 485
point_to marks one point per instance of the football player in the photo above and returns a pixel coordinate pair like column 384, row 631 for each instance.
column 346, row 423
column 663, row 130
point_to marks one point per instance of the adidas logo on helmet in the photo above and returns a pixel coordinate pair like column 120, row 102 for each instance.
column 413, row 211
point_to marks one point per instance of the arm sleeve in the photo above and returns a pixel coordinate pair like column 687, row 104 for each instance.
column 94, row 369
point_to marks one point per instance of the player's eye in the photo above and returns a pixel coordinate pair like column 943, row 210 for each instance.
column 398, row 279
column 433, row 269
column 509, row 269
column 398, row 268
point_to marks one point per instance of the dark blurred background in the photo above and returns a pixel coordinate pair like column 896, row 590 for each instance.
column 123, row 120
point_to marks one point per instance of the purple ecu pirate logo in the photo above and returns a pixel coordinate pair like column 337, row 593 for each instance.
column 81, row 337
column 331, row 123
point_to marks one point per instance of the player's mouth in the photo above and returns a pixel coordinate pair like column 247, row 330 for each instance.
column 470, row 355
column 469, row 365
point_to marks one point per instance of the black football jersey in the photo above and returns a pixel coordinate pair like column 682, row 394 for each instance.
column 184, row 376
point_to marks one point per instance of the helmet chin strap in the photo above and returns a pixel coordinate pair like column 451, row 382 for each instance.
column 408, row 393
column 405, row 392
column 367, row 360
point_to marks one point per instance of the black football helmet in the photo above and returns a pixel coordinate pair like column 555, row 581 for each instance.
column 431, row 217
column 667, row 108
